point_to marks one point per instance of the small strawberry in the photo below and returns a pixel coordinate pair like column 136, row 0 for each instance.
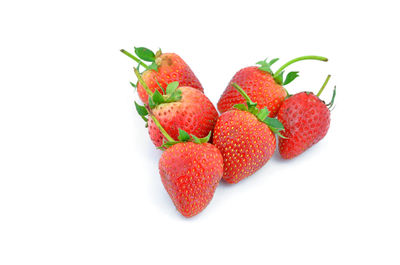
column 262, row 85
column 306, row 119
column 165, row 68
column 182, row 107
column 190, row 171
column 245, row 137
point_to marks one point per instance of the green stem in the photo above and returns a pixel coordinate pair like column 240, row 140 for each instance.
column 241, row 91
column 330, row 105
column 162, row 130
column 135, row 58
column 141, row 81
column 324, row 85
column 308, row 57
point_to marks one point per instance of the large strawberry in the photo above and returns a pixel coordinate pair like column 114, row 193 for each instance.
column 245, row 137
column 306, row 119
column 177, row 108
column 190, row 171
column 262, row 85
column 165, row 68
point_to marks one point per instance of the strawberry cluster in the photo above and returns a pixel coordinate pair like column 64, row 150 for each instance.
column 202, row 147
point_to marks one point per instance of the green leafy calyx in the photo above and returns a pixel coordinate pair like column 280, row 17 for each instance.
column 279, row 79
column 142, row 111
column 262, row 115
column 266, row 66
column 185, row 137
column 172, row 94
column 290, row 77
column 145, row 54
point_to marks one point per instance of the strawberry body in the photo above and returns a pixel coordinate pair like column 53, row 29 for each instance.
column 260, row 87
column 306, row 119
column 194, row 113
column 171, row 68
column 246, row 144
column 190, row 173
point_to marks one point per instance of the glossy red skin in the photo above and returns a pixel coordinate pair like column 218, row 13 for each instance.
column 194, row 113
column 306, row 120
column 190, row 173
column 171, row 68
column 246, row 144
column 259, row 85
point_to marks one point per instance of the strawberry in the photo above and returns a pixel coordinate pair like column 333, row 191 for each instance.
column 245, row 137
column 182, row 107
column 262, row 85
column 306, row 119
column 190, row 171
column 165, row 68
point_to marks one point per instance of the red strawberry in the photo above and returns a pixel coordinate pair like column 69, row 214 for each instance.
column 261, row 84
column 245, row 138
column 306, row 119
column 190, row 171
column 165, row 68
column 183, row 108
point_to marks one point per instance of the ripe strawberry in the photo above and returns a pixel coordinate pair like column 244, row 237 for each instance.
column 190, row 171
column 183, row 108
column 245, row 137
column 165, row 68
column 306, row 119
column 262, row 85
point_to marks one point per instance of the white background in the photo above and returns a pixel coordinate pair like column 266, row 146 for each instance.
column 79, row 179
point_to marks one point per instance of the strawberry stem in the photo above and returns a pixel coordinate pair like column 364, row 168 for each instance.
column 307, row 57
column 241, row 91
column 135, row 58
column 162, row 130
column 324, row 85
column 141, row 81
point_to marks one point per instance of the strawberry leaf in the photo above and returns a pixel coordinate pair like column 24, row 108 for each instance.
column 262, row 114
column 142, row 111
column 279, row 78
column 153, row 66
column 160, row 86
column 290, row 77
column 158, row 98
column 273, row 61
column 152, row 105
column 240, row 107
column 175, row 96
column 172, row 87
column 145, row 54
column 274, row 124
column 196, row 139
column 266, row 66
column 252, row 107
column 201, row 140
column 168, row 144
column 183, row 136
column 132, row 84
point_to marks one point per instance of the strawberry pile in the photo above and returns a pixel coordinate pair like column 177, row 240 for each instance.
column 201, row 147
